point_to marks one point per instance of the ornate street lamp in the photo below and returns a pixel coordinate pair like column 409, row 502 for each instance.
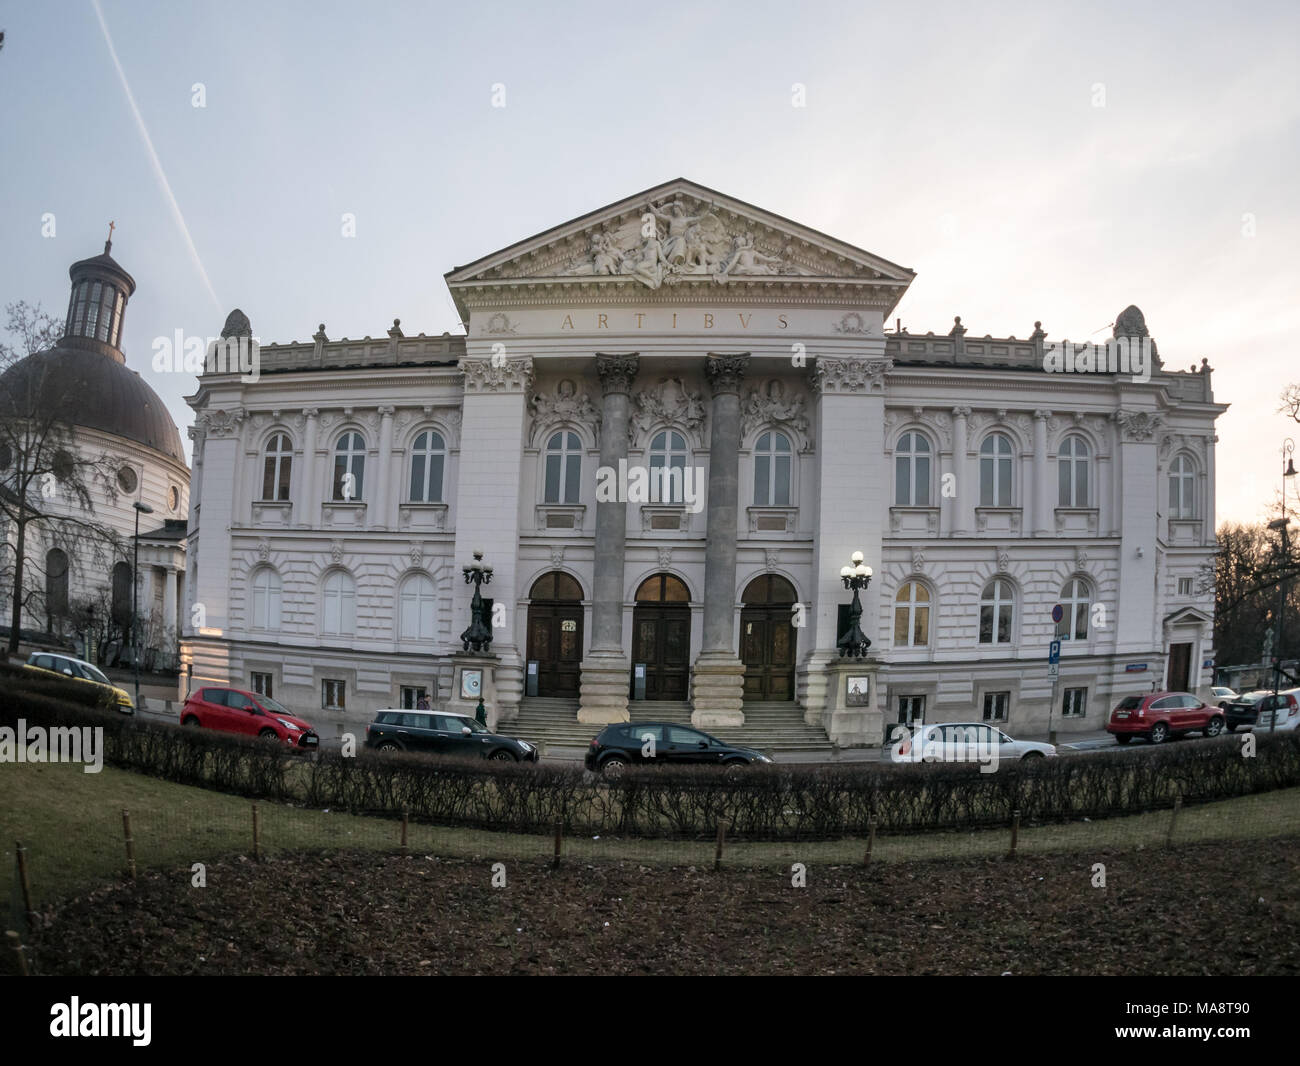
column 1280, row 524
column 853, row 643
column 140, row 508
column 478, row 637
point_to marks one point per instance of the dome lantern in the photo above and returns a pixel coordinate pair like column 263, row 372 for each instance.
column 97, row 304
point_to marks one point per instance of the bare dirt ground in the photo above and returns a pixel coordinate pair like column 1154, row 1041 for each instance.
column 1219, row 909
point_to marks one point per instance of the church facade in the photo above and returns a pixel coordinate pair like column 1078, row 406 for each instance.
column 668, row 427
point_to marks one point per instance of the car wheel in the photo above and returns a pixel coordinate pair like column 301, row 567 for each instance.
column 1159, row 733
column 1031, row 755
column 1214, row 727
column 502, row 756
column 613, row 767
column 190, row 720
column 267, row 734
column 1123, row 738
column 388, row 745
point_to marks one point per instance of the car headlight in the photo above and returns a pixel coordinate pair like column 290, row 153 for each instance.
column 525, row 745
column 290, row 725
column 764, row 758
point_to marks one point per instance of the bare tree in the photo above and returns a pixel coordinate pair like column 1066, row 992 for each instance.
column 1291, row 401
column 46, row 472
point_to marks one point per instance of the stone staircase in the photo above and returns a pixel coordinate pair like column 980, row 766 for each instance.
column 553, row 724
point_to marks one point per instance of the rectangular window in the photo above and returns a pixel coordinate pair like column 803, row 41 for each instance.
column 782, row 496
column 1184, row 586
column 996, row 705
column 761, row 478
column 413, row 695
column 572, row 478
column 333, row 695
column 417, row 478
column 1075, row 703
column 911, row 709
column 903, row 481
column 262, row 685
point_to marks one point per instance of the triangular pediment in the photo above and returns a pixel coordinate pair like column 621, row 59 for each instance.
column 698, row 237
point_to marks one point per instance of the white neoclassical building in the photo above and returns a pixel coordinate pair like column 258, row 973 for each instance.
column 338, row 498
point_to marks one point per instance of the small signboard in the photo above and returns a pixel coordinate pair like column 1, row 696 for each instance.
column 1053, row 670
column 1135, row 668
column 1054, row 652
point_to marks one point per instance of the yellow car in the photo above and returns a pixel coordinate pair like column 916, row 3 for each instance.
column 44, row 662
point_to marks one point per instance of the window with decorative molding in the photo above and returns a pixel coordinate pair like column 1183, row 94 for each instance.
column 772, row 458
column 349, row 467
column 277, row 468
column 1073, row 469
column 997, row 612
column 995, row 471
column 1182, row 488
column 912, row 471
column 428, row 462
column 912, row 616
column 563, row 467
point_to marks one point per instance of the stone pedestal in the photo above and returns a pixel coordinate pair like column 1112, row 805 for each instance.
column 602, row 696
column 457, row 704
column 717, row 691
column 853, row 726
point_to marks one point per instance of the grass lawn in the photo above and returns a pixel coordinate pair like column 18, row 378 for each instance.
column 71, row 825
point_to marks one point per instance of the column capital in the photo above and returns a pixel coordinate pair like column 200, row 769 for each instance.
column 961, row 412
column 497, row 375
column 386, row 412
column 1042, row 415
column 726, row 372
column 850, row 375
column 617, row 372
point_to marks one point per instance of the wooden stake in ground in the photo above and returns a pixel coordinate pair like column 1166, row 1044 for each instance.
column 405, row 850
column 26, row 884
column 1173, row 819
column 559, row 837
column 257, row 834
column 130, row 844
column 871, row 840
column 717, row 855
column 1015, row 833
column 17, row 945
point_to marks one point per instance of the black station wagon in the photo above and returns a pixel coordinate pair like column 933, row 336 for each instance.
column 443, row 734
column 647, row 743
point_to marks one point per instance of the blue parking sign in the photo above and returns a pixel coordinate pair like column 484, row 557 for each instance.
column 1054, row 652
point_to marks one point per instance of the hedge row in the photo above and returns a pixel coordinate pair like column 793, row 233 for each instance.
column 781, row 802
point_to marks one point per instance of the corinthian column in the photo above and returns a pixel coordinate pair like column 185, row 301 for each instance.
column 719, row 676
column 602, row 694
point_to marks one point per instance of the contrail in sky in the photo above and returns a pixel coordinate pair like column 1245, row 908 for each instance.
column 153, row 158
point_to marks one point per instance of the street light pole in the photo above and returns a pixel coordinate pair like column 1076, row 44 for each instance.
column 853, row 642
column 1288, row 470
column 140, row 508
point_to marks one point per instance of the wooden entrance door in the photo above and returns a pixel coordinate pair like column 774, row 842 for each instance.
column 1180, row 667
column 661, row 637
column 768, row 638
column 555, row 634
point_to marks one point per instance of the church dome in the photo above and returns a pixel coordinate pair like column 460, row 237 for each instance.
column 85, row 377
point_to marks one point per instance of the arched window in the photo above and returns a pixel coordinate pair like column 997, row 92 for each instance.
column 912, row 471
column 995, row 471
column 276, row 468
column 416, row 602
column 1072, row 467
column 349, row 467
column 667, row 467
column 1182, row 488
column 662, row 588
column 339, row 607
column 267, row 591
column 106, row 313
column 772, row 470
column 555, row 586
column 56, row 583
column 563, row 467
column 115, row 332
column 428, row 461
column 912, row 616
column 997, row 608
column 1077, row 602
column 92, row 309
column 121, row 608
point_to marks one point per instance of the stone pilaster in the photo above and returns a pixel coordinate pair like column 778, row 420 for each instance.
column 307, row 489
column 602, row 695
column 1043, row 520
column 382, row 478
column 718, row 680
column 963, row 520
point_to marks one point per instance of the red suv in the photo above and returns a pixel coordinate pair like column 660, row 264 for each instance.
column 1161, row 715
column 234, row 711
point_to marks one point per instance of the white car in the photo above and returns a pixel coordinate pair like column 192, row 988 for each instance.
column 962, row 742
column 1223, row 695
column 1286, row 716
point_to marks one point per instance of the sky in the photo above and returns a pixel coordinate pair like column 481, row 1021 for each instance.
column 1039, row 161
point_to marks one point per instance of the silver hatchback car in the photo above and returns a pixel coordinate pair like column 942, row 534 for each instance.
column 963, row 742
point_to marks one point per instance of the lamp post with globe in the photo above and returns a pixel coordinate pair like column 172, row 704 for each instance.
column 853, row 643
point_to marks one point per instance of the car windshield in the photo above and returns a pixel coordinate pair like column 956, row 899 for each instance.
column 94, row 674
column 471, row 722
column 1130, row 703
column 273, row 706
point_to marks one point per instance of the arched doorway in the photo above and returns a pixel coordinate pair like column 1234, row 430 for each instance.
column 767, row 638
column 555, row 634
column 661, row 637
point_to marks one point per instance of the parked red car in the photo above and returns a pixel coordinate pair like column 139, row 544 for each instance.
column 1161, row 715
column 232, row 710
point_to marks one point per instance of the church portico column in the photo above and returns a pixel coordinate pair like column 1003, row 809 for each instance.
column 718, row 679
column 602, row 692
